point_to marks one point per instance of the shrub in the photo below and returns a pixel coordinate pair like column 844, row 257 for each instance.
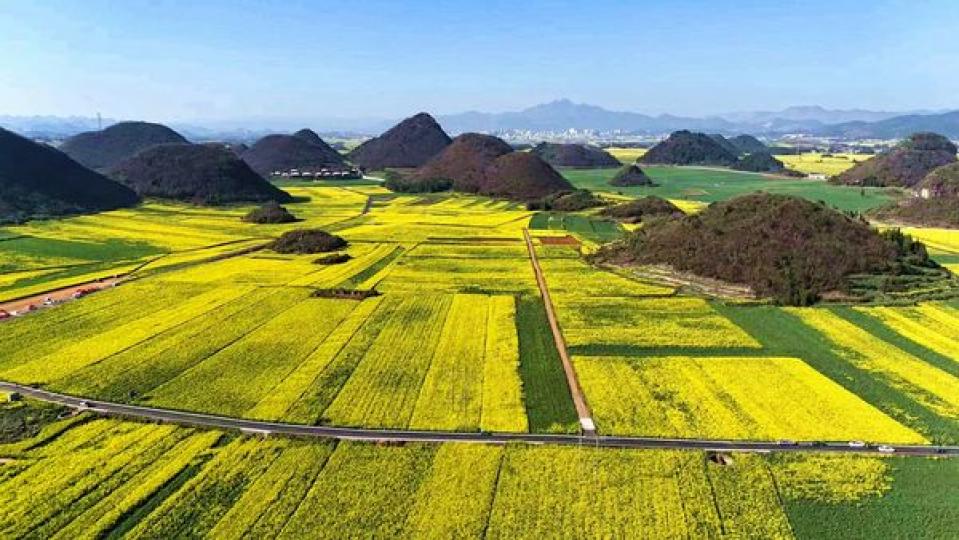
column 333, row 258
column 270, row 212
column 307, row 241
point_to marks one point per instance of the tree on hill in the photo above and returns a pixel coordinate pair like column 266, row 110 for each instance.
column 688, row 148
column 936, row 206
column 781, row 246
column 641, row 209
column 725, row 143
column 411, row 143
column 522, row 176
column 196, row 173
column 104, row 149
column 759, row 162
column 941, row 182
column 903, row 166
column 747, row 144
column 285, row 152
column 309, row 136
column 631, row 175
column 464, row 163
column 567, row 201
column 37, row 181
column 574, row 155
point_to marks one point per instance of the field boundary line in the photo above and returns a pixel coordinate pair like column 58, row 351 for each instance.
column 586, row 422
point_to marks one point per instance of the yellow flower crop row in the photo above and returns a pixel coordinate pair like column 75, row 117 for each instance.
column 503, row 408
column 384, row 387
column 454, row 499
column 831, row 478
column 941, row 239
column 729, row 398
column 647, row 322
column 277, row 402
column 928, row 325
column 262, row 510
column 451, row 397
column 363, row 488
column 239, row 376
column 82, row 352
column 927, row 384
column 758, row 515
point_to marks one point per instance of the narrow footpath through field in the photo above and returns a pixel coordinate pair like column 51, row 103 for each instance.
column 579, row 400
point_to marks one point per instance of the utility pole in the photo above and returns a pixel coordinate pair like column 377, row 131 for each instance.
column 99, row 122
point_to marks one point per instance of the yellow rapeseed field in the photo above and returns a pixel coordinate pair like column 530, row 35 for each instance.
column 927, row 384
column 929, row 325
column 722, row 398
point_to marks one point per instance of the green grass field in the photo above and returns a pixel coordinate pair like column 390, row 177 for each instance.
column 710, row 185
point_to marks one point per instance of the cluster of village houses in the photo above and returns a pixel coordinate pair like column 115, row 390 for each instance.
column 340, row 173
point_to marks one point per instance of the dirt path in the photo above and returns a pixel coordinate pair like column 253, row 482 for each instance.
column 579, row 400
column 58, row 295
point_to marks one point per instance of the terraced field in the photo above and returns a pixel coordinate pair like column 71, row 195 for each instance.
column 457, row 340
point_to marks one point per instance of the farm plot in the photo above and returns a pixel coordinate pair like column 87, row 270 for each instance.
column 935, row 327
column 729, row 398
column 237, row 377
column 455, row 273
column 624, row 325
column 935, row 389
column 419, row 219
column 76, row 354
column 436, row 362
column 87, row 478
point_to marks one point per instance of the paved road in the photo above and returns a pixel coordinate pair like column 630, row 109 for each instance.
column 386, row 435
column 579, row 400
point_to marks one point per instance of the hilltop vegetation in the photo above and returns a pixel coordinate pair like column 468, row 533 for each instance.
column 285, row 152
column 574, row 155
column 195, row 173
column 781, row 246
column 484, row 165
column 903, row 166
column 38, row 181
column 631, row 175
column 747, row 144
column 688, row 148
column 759, row 162
column 642, row 209
column 411, row 143
column 937, row 205
column 568, row 201
column 464, row 163
column 104, row 149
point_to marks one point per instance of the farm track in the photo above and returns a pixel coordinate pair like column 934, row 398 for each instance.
column 255, row 427
column 59, row 295
column 579, row 400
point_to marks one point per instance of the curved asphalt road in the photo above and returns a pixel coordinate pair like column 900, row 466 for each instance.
column 388, row 435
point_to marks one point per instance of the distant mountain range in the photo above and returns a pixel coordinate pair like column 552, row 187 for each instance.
column 564, row 114
column 558, row 116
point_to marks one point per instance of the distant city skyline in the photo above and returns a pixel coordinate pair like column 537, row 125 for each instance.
column 220, row 61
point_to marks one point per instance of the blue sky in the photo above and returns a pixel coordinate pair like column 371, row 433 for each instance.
column 225, row 59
